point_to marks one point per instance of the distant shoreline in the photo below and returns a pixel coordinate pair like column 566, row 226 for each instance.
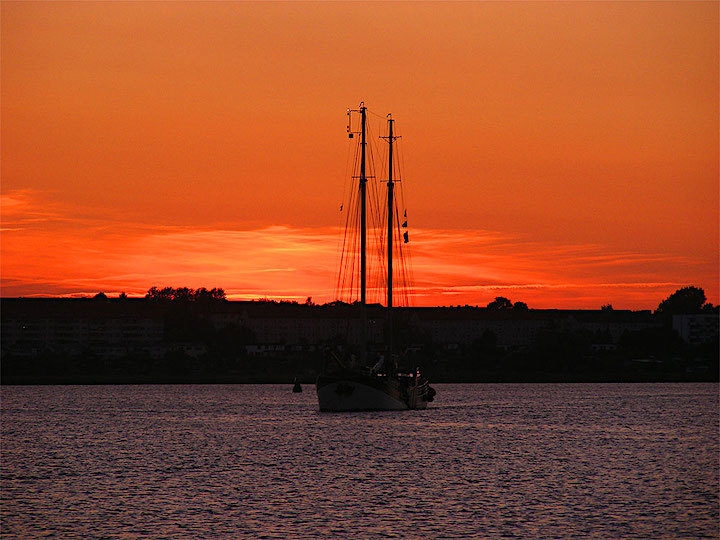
column 116, row 341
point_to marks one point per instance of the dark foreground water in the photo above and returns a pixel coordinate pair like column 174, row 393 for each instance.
column 501, row 460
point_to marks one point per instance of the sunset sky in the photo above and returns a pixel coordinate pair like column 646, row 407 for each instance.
column 561, row 154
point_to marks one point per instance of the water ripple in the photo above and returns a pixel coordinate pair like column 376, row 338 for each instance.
column 504, row 460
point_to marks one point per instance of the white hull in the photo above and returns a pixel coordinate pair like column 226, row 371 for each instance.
column 372, row 394
column 354, row 396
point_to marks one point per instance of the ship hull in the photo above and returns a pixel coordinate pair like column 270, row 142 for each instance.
column 358, row 392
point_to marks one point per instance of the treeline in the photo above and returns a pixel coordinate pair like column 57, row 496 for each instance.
column 686, row 300
column 557, row 354
column 185, row 294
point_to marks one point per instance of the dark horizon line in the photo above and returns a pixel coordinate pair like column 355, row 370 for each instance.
column 715, row 308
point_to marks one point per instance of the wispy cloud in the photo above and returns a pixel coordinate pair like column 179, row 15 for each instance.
column 68, row 256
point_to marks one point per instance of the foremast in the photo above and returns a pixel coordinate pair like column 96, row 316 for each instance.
column 363, row 235
column 363, row 227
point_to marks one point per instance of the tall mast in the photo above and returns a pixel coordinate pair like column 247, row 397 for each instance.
column 390, row 237
column 363, row 237
column 390, row 213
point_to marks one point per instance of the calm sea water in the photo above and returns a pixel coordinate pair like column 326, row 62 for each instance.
column 500, row 460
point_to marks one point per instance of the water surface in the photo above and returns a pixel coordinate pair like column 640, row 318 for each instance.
column 257, row 461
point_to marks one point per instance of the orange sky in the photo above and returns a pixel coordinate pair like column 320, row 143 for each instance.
column 563, row 154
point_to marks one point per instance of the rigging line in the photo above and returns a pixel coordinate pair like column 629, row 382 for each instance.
column 355, row 278
column 350, row 146
column 403, row 203
column 370, row 213
column 397, row 277
column 348, row 287
column 346, row 278
column 400, row 284
column 377, row 215
column 341, row 271
column 408, row 260
column 376, row 114
column 400, row 163
column 355, row 165
column 349, row 277
column 382, row 264
column 341, row 242
column 352, row 254
column 402, row 274
column 375, row 249
column 407, row 273
column 383, row 167
column 375, row 219
column 348, row 218
column 401, row 159
column 386, row 269
column 406, row 257
column 401, row 256
column 408, row 270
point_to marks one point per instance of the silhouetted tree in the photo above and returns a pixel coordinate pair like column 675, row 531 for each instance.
column 606, row 307
column 185, row 294
column 500, row 303
column 217, row 294
column 682, row 301
column 204, row 295
column 165, row 293
column 200, row 294
column 100, row 296
column 122, row 296
column 520, row 306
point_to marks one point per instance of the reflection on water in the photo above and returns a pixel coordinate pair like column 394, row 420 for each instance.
column 535, row 460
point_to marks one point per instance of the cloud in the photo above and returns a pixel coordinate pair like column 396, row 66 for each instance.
column 66, row 256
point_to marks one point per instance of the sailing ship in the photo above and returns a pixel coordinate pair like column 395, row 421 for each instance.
column 349, row 383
